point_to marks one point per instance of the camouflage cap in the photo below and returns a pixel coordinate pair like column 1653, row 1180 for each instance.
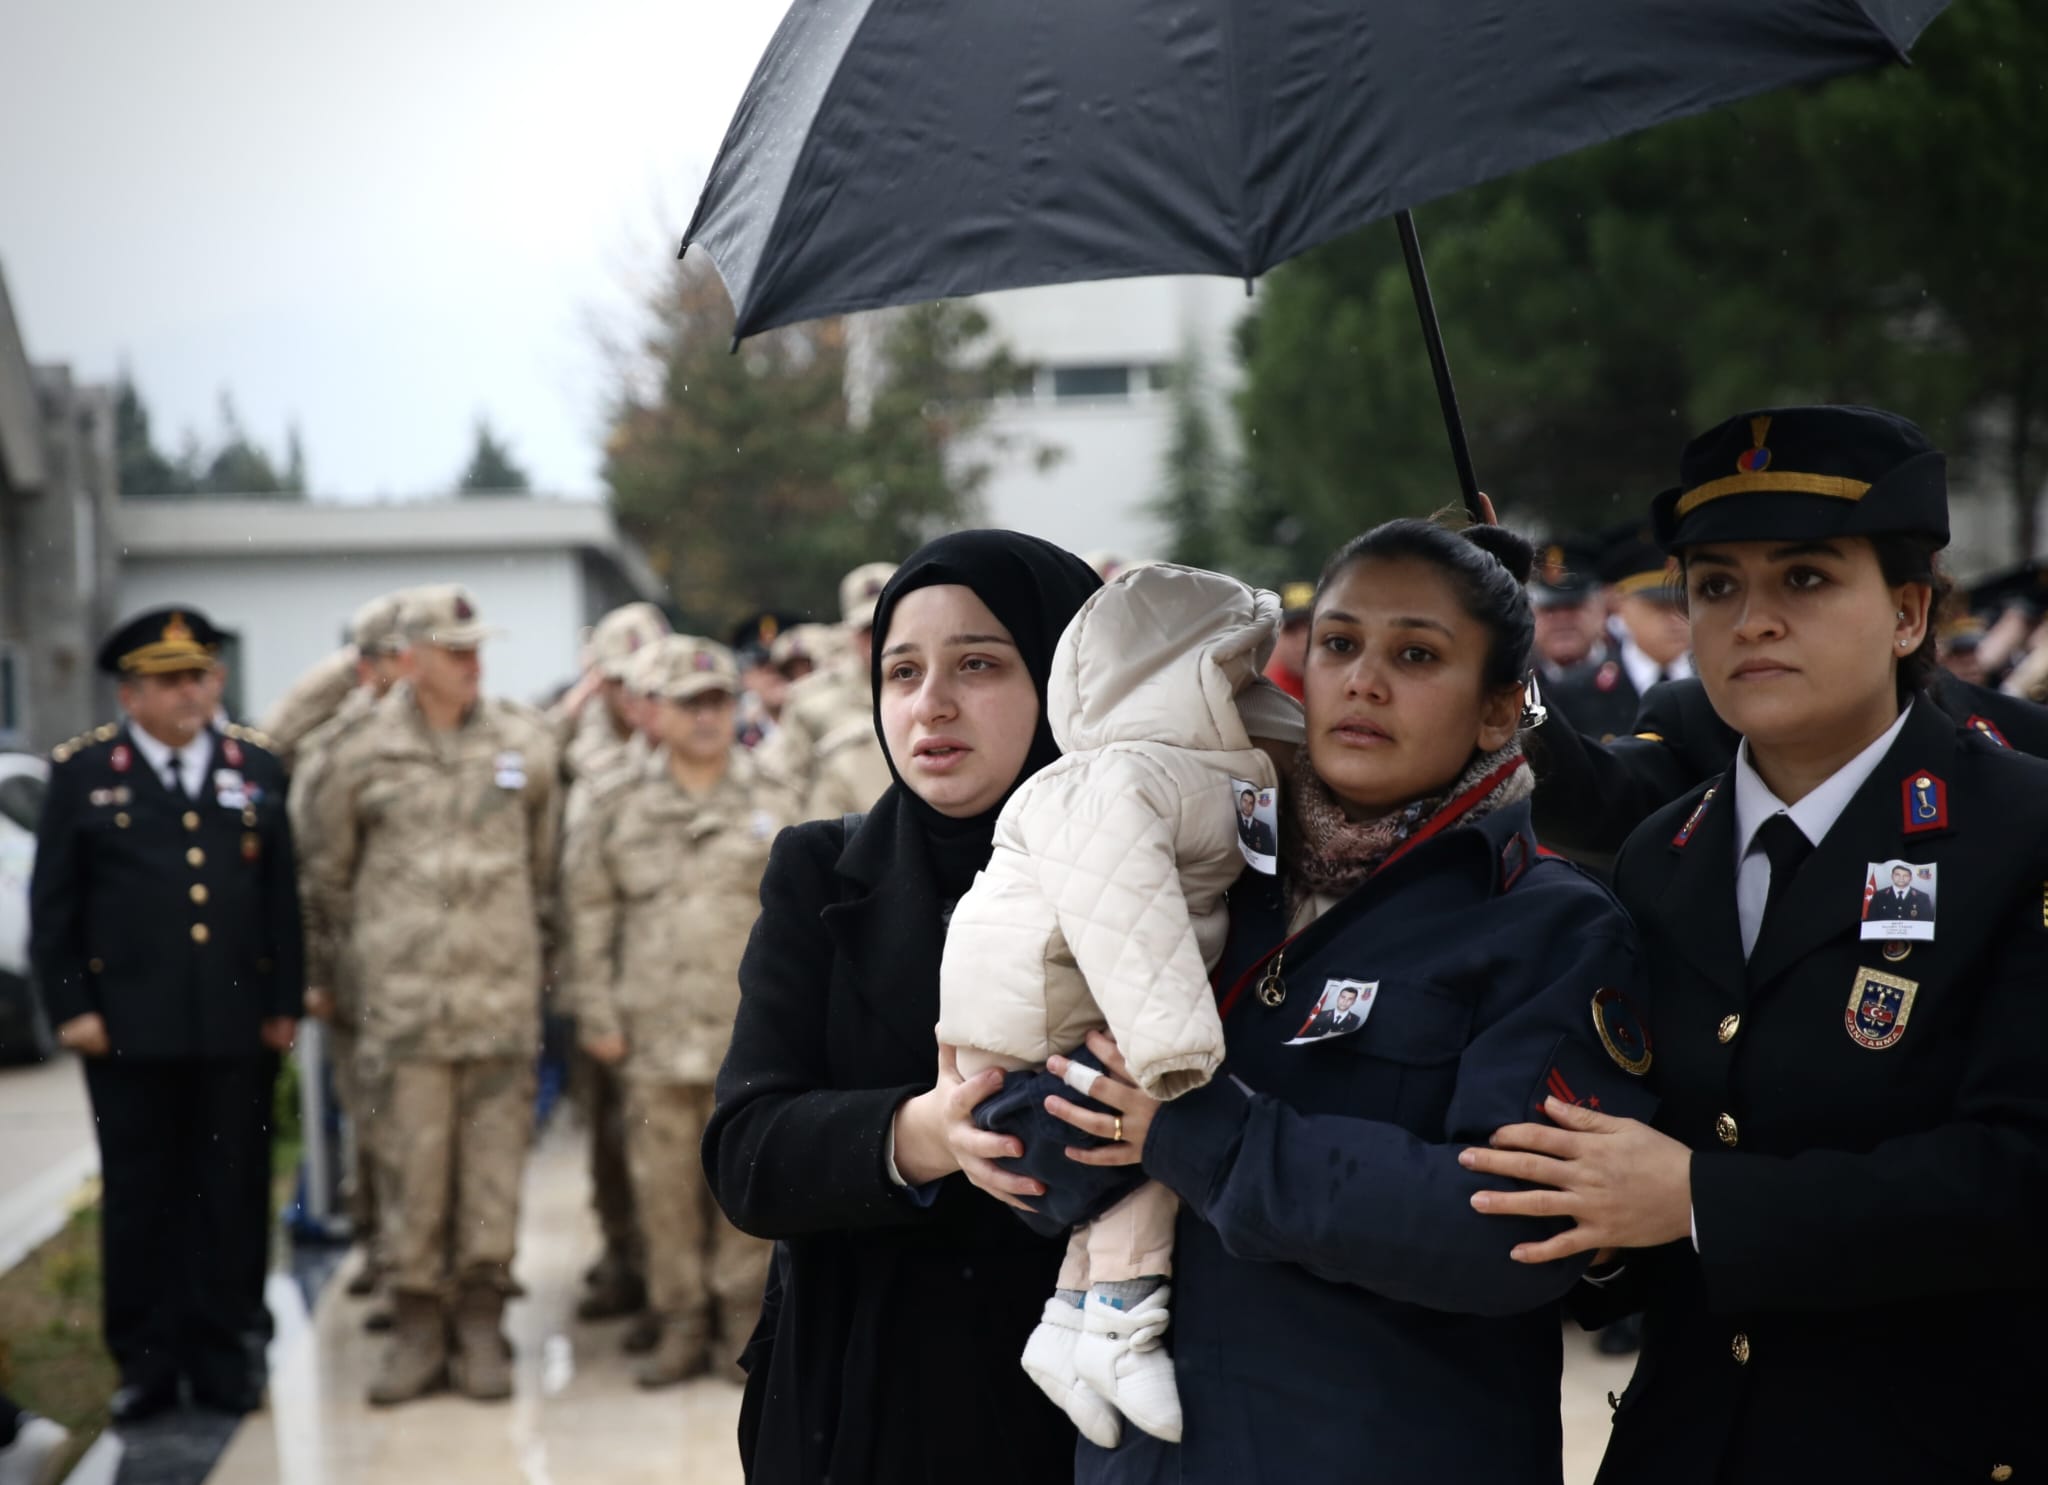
column 680, row 666
column 378, row 627
column 624, row 633
column 860, row 590
column 813, row 642
column 444, row 616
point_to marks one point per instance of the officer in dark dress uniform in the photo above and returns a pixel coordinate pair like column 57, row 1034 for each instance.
column 1859, row 1295
column 1591, row 693
column 166, row 943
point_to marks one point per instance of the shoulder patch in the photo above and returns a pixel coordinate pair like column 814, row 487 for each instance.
column 1622, row 1031
column 1923, row 803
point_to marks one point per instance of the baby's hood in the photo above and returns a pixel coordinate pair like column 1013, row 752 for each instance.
column 1160, row 655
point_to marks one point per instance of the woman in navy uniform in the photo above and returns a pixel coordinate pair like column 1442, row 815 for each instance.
column 1835, row 1221
column 1340, row 1310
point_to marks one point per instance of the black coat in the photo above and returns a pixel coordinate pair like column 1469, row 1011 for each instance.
column 1888, row 906
column 177, row 922
column 1870, row 1187
column 888, row 1351
column 1590, row 794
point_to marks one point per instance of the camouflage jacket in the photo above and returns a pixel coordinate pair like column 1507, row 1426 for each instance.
column 313, row 700
column 436, row 851
column 315, row 751
column 818, row 705
column 662, row 888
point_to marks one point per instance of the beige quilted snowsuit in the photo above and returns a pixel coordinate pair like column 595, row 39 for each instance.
column 1102, row 905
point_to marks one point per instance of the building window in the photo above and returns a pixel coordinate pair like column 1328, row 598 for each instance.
column 1070, row 382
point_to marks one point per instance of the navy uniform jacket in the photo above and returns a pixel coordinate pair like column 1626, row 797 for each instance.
column 178, row 922
column 1593, row 794
column 1596, row 697
column 1915, row 907
column 1870, row 1182
column 1339, row 1310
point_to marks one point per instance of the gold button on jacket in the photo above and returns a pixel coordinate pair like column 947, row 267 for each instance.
column 199, row 893
column 191, row 819
column 1729, row 1026
column 1739, row 1349
column 195, row 857
column 1724, row 1127
column 200, row 933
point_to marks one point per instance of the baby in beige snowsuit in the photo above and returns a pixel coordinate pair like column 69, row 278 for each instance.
column 1102, row 907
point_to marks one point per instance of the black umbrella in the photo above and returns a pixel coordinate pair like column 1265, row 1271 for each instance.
column 893, row 151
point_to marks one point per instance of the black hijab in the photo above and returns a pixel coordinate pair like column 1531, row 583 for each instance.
column 1034, row 588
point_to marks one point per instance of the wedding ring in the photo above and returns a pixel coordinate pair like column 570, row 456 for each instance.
column 1119, row 1135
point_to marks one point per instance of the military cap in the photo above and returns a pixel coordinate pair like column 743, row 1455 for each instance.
column 1634, row 566
column 2025, row 583
column 860, row 590
column 681, row 666
column 1806, row 474
column 1297, row 601
column 759, row 631
column 1567, row 571
column 162, row 641
column 622, row 634
column 378, row 627
column 444, row 616
column 812, row 642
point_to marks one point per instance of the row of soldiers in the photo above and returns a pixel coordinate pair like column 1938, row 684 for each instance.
column 457, row 852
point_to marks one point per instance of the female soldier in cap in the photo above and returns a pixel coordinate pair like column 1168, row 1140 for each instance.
column 1832, row 1222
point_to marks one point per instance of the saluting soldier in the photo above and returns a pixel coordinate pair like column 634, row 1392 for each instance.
column 380, row 649
column 1835, row 1220
column 604, row 737
column 437, row 829
column 166, row 942
column 835, row 704
column 662, row 881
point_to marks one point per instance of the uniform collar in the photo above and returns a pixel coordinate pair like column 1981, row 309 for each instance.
column 1815, row 815
column 1643, row 672
column 159, row 754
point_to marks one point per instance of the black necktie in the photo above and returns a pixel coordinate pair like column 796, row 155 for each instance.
column 1787, row 847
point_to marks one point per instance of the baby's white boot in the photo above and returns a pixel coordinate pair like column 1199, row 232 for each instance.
column 1049, row 1361
column 1121, row 1357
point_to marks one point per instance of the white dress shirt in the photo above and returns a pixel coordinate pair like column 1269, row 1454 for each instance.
column 189, row 761
column 1815, row 815
column 1643, row 672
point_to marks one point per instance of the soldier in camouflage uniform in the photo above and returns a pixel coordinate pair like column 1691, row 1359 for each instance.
column 380, row 662
column 312, row 700
column 662, row 883
column 437, row 819
column 825, row 703
column 604, row 738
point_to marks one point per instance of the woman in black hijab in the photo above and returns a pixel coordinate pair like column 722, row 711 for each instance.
column 901, row 1299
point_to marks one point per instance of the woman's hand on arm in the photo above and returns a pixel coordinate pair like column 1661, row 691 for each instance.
column 1127, row 1128
column 1622, row 1183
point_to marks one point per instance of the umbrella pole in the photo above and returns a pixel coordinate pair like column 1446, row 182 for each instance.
column 1439, row 363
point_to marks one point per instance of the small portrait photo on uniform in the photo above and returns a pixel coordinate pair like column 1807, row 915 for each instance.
column 1258, row 825
column 1340, row 1010
column 1898, row 901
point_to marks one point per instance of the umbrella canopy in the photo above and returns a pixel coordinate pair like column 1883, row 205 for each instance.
column 893, row 151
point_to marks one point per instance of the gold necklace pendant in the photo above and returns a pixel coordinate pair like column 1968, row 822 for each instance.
column 1273, row 989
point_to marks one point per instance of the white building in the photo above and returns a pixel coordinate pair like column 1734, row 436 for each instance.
column 283, row 577
column 1103, row 353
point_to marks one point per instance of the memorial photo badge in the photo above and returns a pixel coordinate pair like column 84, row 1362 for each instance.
column 1898, row 901
column 1340, row 1010
column 1258, row 825
column 1879, row 1005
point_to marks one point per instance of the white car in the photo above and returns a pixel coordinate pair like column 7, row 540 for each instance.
column 24, row 1030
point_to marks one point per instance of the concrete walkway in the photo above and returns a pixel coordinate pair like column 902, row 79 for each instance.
column 577, row 1419
column 47, row 1152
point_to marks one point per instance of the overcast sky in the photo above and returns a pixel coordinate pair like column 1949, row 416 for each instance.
column 377, row 220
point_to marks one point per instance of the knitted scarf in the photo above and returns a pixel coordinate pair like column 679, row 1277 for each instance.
column 1329, row 854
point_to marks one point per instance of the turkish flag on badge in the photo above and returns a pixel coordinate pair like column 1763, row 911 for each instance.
column 1869, row 891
